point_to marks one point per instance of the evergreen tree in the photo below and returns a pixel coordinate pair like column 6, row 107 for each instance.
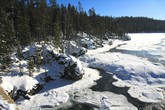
column 92, row 16
column 20, row 57
column 32, row 13
column 63, row 26
column 7, row 33
column 42, row 20
column 54, row 17
column 80, row 16
column 63, row 20
column 19, row 52
column 68, row 23
column 75, row 20
column 31, row 66
column 57, row 34
column 38, row 59
column 21, row 23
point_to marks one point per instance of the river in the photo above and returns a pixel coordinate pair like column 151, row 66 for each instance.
column 153, row 53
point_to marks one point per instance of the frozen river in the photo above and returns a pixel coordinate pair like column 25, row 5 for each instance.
column 138, row 67
column 154, row 52
column 132, row 76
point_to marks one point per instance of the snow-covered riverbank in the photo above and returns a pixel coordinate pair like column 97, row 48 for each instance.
column 144, row 76
column 59, row 91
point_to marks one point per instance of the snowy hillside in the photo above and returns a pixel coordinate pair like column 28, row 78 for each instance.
column 38, row 65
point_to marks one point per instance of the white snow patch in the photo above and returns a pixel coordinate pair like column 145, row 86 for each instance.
column 6, row 106
column 18, row 82
column 57, row 92
column 145, row 93
column 103, row 100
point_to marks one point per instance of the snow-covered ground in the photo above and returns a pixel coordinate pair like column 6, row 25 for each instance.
column 103, row 100
column 57, row 92
column 6, row 106
column 5, row 102
column 143, row 76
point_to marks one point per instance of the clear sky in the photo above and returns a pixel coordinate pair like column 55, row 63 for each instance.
column 147, row 8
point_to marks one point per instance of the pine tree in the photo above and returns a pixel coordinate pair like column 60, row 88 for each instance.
column 92, row 16
column 80, row 16
column 57, row 35
column 32, row 13
column 38, row 59
column 54, row 16
column 63, row 26
column 19, row 52
column 31, row 66
column 69, row 23
column 21, row 23
column 7, row 33
column 75, row 20
column 43, row 19
column 63, row 19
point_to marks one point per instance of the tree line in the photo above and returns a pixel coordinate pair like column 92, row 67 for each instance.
column 25, row 21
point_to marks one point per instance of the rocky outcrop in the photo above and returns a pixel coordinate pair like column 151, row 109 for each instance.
column 73, row 70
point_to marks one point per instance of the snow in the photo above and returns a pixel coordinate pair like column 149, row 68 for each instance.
column 124, row 66
column 89, row 41
column 6, row 106
column 143, row 41
column 79, row 69
column 57, row 92
column 146, row 93
column 103, row 100
column 145, row 78
column 131, row 70
column 74, row 48
column 18, row 82
column 105, row 48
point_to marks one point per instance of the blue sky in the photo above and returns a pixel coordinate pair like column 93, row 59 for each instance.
column 147, row 8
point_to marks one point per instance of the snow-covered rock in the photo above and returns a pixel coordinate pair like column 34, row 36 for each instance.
column 24, row 83
column 73, row 69
column 126, row 37
column 74, row 49
column 88, row 41
column 18, row 86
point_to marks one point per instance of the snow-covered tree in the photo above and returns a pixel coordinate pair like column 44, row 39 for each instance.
column 31, row 66
column 38, row 59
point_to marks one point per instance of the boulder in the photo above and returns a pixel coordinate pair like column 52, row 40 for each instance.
column 75, row 49
column 35, row 89
column 73, row 69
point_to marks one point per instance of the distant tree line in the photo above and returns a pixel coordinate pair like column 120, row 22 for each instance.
column 139, row 24
column 25, row 21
